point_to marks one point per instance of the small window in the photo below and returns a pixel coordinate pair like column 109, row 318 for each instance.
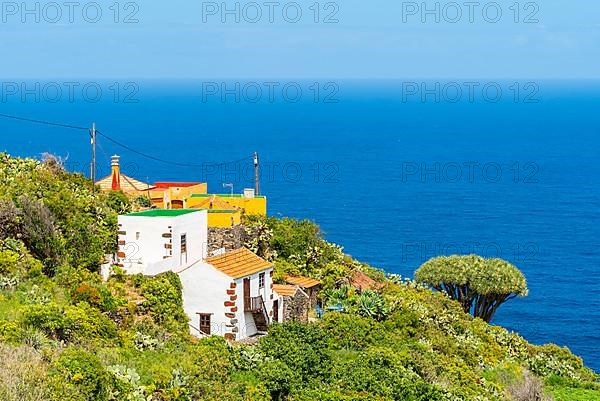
column 183, row 256
column 261, row 280
column 205, row 323
column 183, row 243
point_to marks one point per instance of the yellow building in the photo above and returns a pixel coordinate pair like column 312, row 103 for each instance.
column 224, row 210
column 175, row 195
column 220, row 213
column 248, row 203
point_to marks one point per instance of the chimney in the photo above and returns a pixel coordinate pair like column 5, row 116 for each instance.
column 116, row 173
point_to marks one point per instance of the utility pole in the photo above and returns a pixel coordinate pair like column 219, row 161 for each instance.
column 256, row 174
column 93, row 166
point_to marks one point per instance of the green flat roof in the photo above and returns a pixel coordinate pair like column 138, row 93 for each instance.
column 163, row 213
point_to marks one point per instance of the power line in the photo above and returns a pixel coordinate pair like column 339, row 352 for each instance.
column 129, row 148
column 43, row 122
column 118, row 143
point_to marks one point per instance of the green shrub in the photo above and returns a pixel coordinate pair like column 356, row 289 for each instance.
column 278, row 378
column 69, row 322
column 302, row 347
column 79, row 376
column 381, row 372
column 142, row 201
column 60, row 217
column 40, row 232
column 118, row 202
column 9, row 331
column 574, row 394
column 16, row 261
column 352, row 332
column 97, row 296
column 164, row 301
column 324, row 394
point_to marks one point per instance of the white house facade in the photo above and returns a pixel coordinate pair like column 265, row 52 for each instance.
column 234, row 299
column 228, row 295
column 157, row 241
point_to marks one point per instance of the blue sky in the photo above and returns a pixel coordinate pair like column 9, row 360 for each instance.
column 372, row 39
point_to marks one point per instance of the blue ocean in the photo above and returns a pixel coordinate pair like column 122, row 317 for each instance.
column 396, row 172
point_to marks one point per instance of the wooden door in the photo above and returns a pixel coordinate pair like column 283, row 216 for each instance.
column 276, row 310
column 247, row 300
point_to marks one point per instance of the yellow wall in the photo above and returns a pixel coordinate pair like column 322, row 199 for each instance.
column 251, row 206
column 158, row 199
column 163, row 198
column 224, row 219
column 181, row 193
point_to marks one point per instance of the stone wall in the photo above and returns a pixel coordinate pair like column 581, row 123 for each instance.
column 313, row 293
column 296, row 307
column 230, row 238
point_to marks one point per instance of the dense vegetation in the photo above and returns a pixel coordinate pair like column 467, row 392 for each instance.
column 67, row 336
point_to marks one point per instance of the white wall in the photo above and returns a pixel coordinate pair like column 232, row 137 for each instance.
column 204, row 291
column 280, row 308
column 246, row 320
column 195, row 225
column 149, row 248
column 146, row 255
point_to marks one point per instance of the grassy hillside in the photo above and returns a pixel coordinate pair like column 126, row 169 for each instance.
column 67, row 336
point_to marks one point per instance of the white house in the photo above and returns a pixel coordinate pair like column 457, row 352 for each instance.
column 229, row 295
column 157, row 241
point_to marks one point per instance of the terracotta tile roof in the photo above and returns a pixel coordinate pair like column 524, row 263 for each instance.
column 285, row 290
column 239, row 263
column 363, row 282
column 214, row 202
column 304, row 282
column 128, row 184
